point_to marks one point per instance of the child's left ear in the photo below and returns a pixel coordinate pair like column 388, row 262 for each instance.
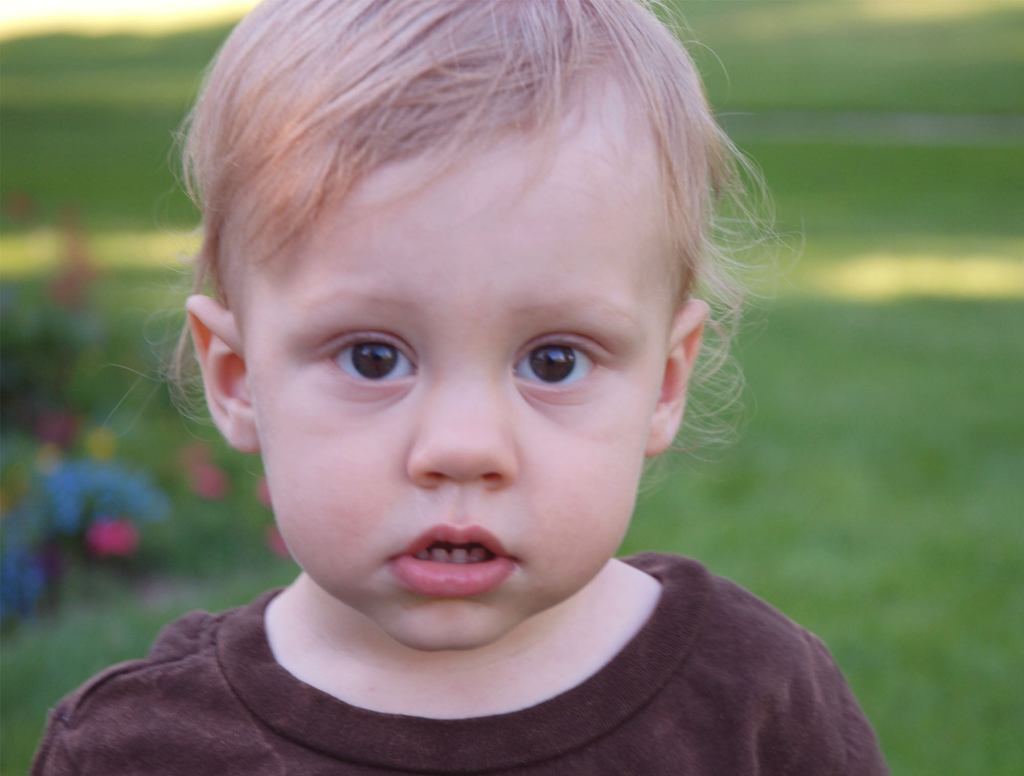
column 684, row 344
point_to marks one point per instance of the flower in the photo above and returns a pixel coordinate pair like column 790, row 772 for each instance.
column 68, row 507
column 209, row 481
column 263, row 492
column 79, row 490
column 192, row 455
column 205, row 478
column 276, row 542
column 20, row 207
column 100, row 443
column 48, row 458
column 22, row 581
column 56, row 427
column 71, row 284
column 112, row 537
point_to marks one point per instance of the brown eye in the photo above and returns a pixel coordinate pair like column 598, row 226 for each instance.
column 374, row 361
column 553, row 364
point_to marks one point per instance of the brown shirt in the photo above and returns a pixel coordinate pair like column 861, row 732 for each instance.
column 717, row 682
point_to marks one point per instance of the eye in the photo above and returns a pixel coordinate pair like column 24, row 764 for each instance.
column 374, row 361
column 554, row 364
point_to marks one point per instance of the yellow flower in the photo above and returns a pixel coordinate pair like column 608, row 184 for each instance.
column 100, row 443
column 48, row 457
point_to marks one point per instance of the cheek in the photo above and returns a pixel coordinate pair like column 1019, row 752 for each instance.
column 309, row 436
column 610, row 453
column 595, row 456
column 589, row 492
column 581, row 526
column 325, row 482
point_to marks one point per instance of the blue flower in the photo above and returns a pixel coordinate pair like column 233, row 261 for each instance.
column 65, row 501
column 81, row 490
column 22, row 581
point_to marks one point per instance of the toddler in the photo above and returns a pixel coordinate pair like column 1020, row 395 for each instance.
column 446, row 292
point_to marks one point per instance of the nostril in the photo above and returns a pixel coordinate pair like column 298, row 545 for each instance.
column 434, row 478
column 431, row 479
column 461, row 446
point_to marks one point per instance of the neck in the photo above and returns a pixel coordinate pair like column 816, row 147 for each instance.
column 335, row 648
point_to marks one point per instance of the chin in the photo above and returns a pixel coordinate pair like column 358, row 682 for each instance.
column 427, row 632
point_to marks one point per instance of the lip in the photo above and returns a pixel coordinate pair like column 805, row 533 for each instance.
column 432, row 579
column 456, row 534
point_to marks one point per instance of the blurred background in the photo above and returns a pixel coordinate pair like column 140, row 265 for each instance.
column 874, row 491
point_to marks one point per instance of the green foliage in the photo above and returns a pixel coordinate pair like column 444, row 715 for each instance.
column 42, row 343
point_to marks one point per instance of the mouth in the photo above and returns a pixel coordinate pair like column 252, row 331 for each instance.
column 456, row 544
column 446, row 552
column 453, row 562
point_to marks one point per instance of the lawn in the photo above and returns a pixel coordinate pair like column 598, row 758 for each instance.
column 872, row 490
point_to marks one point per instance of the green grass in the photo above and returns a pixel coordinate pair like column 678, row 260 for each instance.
column 873, row 493
column 875, row 498
column 878, row 504
column 844, row 55
column 875, row 194
column 92, row 122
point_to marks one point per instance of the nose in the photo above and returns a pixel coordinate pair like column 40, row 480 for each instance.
column 464, row 435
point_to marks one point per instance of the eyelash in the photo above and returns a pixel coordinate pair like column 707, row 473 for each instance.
column 345, row 354
column 582, row 360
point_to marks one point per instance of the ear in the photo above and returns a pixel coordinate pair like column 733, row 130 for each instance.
column 683, row 346
column 218, row 347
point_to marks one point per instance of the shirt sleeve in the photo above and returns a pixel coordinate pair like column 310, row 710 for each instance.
column 833, row 735
column 51, row 758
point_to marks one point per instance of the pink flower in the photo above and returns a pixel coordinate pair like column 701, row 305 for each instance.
column 115, row 537
column 69, row 287
column 209, row 481
column 20, row 207
column 205, row 478
column 263, row 491
column 194, row 455
column 276, row 542
column 57, row 428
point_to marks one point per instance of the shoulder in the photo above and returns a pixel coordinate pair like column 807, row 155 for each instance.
column 132, row 717
column 183, row 648
column 733, row 622
column 770, row 681
column 746, row 640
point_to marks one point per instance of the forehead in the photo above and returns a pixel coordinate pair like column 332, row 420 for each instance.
column 530, row 209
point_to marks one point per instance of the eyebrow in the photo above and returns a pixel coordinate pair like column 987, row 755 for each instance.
column 595, row 308
column 584, row 311
column 598, row 305
column 329, row 296
column 614, row 324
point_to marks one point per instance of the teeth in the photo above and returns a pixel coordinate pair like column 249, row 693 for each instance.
column 459, row 555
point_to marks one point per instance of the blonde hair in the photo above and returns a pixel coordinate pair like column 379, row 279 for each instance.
column 308, row 97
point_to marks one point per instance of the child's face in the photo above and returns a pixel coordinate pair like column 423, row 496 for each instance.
column 482, row 365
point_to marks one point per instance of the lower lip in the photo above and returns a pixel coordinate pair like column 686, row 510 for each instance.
column 451, row 580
